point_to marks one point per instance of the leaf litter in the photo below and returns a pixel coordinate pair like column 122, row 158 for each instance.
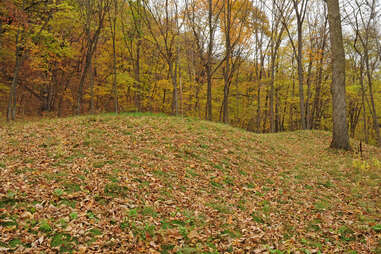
column 157, row 184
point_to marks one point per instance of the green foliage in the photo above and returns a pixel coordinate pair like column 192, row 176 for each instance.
column 64, row 241
column 45, row 226
column 377, row 227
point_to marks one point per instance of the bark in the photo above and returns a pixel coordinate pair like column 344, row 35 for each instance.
column 173, row 73
column 274, row 55
column 137, row 76
column 227, row 66
column 92, row 42
column 92, row 79
column 309, row 95
column 300, row 8
column 317, row 97
column 209, row 73
column 301, row 77
column 366, row 134
column 11, row 112
column 259, row 107
column 114, row 81
column 340, row 139
column 376, row 126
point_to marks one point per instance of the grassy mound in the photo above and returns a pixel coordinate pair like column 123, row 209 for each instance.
column 158, row 184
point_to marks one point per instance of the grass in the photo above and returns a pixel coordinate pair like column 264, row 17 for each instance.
column 140, row 183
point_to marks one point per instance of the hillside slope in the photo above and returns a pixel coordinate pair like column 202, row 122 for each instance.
column 158, row 184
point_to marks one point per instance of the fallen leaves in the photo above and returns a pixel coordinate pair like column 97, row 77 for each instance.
column 128, row 184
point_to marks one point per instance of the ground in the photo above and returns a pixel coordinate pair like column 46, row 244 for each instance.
column 141, row 183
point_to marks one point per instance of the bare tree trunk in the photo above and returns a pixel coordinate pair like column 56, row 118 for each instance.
column 308, row 109
column 173, row 73
column 209, row 74
column 11, row 112
column 78, row 109
column 319, row 77
column 114, row 80
column 300, row 8
column 376, row 126
column 301, row 77
column 272, row 91
column 209, row 112
column 180, row 87
column 259, row 107
column 274, row 55
column 92, row 80
column 137, row 76
column 366, row 135
column 340, row 139
column 227, row 69
column 92, row 42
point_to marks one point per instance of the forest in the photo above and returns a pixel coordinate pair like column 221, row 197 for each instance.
column 260, row 65
column 190, row 126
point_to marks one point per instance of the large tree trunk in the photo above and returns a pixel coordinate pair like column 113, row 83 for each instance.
column 340, row 139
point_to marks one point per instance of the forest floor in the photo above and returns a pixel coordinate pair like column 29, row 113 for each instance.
column 141, row 183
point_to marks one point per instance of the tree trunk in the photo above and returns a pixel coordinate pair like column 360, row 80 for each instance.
column 11, row 112
column 308, row 110
column 114, row 81
column 227, row 70
column 340, row 139
column 376, row 126
column 173, row 74
column 92, row 42
column 209, row 113
column 301, row 78
column 137, row 76
column 78, row 109
column 316, row 104
column 209, row 63
column 259, row 107
column 92, row 79
column 272, row 90
column 366, row 135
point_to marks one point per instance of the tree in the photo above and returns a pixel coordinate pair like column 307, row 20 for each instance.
column 113, row 28
column 93, row 15
column 204, row 29
column 239, row 17
column 340, row 139
column 300, row 9
column 132, row 28
column 164, row 21
column 364, row 25
column 31, row 19
column 275, row 41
